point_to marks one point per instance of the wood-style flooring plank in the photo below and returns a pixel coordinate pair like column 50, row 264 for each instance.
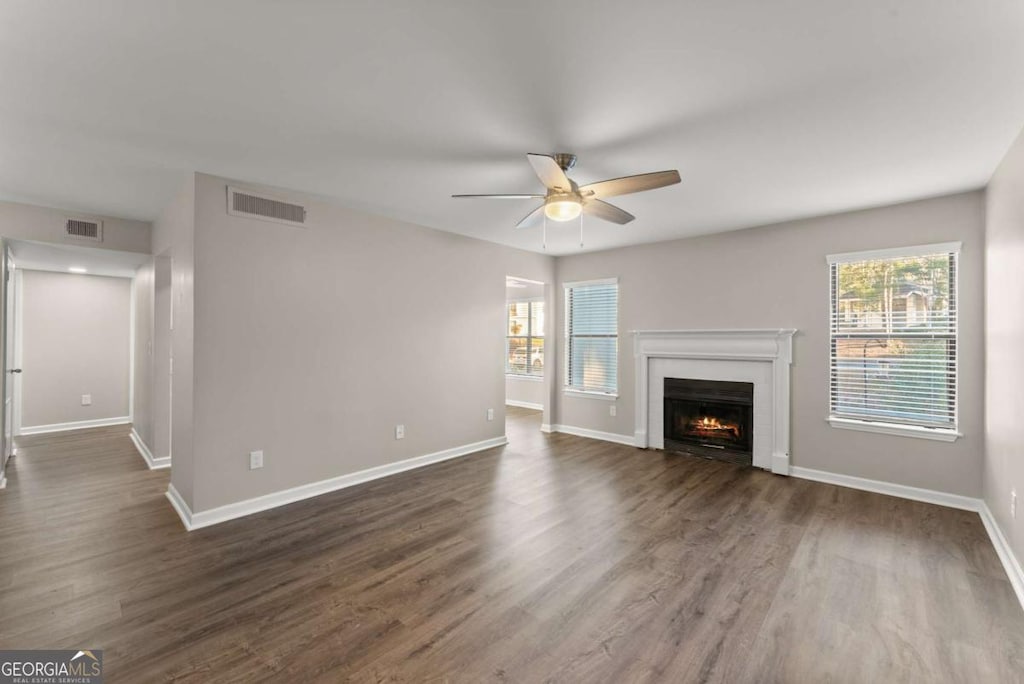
column 553, row 559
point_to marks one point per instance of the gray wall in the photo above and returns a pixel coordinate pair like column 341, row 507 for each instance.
column 75, row 340
column 313, row 343
column 142, row 414
column 174, row 301
column 774, row 277
column 27, row 222
column 1004, row 337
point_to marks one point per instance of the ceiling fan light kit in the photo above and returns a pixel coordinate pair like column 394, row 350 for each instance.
column 565, row 200
column 562, row 207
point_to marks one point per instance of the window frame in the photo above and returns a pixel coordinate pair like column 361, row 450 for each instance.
column 568, row 388
column 851, row 421
column 530, row 336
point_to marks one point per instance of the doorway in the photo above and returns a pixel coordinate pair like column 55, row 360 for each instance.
column 68, row 329
column 527, row 361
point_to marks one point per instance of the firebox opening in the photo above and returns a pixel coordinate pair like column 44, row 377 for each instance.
column 710, row 418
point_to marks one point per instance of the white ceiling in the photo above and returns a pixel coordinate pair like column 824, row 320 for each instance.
column 41, row 256
column 770, row 110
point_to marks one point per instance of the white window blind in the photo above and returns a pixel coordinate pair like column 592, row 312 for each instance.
column 592, row 336
column 894, row 336
column 524, row 338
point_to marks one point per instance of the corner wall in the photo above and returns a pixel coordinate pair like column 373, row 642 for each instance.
column 313, row 343
column 142, row 403
column 777, row 277
column 173, row 344
column 1004, row 335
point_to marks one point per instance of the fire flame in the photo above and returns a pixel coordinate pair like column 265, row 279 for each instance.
column 711, row 426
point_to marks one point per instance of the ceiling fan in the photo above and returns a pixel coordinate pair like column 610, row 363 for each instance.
column 565, row 201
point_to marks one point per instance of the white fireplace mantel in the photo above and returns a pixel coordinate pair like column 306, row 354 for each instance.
column 764, row 355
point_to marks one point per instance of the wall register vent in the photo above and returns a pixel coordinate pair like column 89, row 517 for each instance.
column 242, row 203
column 84, row 229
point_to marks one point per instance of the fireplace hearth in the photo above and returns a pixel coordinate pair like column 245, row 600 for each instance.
column 710, row 418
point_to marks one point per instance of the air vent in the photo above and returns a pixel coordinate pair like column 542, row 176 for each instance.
column 83, row 229
column 241, row 203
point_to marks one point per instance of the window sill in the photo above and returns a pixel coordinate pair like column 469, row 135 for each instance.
column 582, row 394
column 530, row 378
column 938, row 434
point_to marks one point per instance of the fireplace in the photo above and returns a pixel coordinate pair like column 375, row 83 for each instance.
column 710, row 418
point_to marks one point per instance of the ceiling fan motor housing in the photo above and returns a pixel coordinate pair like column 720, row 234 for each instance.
column 565, row 160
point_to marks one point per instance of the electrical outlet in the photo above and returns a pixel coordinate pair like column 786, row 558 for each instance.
column 1013, row 503
column 255, row 460
column 399, row 432
column 86, row 400
column 612, row 410
column 490, row 414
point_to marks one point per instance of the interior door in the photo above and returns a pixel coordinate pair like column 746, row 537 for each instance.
column 7, row 323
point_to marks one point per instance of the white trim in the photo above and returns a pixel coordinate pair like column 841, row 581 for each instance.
column 131, row 348
column 918, row 431
column 592, row 434
column 878, row 486
column 895, row 252
column 76, row 425
column 528, row 378
column 147, row 455
column 588, row 283
column 257, row 504
column 180, row 507
column 546, row 427
column 19, row 317
column 771, row 345
column 3, row 480
column 524, row 404
column 1010, row 563
column 586, row 394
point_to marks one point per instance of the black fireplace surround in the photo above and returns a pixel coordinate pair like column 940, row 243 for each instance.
column 710, row 418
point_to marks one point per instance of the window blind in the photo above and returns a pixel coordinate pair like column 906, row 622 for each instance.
column 894, row 336
column 592, row 336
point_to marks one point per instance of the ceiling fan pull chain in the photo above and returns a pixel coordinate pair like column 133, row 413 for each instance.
column 581, row 230
column 544, row 238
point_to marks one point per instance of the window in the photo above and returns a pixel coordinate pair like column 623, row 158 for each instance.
column 524, row 339
column 893, row 340
column 592, row 336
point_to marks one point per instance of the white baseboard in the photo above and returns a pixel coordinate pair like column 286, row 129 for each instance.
column 3, row 480
column 180, row 507
column 1010, row 563
column 151, row 462
column 902, row 491
column 77, row 425
column 524, row 404
column 194, row 521
column 628, row 440
column 546, row 427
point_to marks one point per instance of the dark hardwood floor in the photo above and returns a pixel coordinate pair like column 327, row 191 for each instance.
column 554, row 559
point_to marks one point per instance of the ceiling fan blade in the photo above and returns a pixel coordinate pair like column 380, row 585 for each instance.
column 608, row 212
column 500, row 196
column 532, row 219
column 549, row 172
column 630, row 184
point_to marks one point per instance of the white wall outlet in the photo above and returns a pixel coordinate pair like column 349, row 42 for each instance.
column 399, row 432
column 255, row 460
column 86, row 400
column 612, row 410
column 490, row 414
column 1013, row 503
